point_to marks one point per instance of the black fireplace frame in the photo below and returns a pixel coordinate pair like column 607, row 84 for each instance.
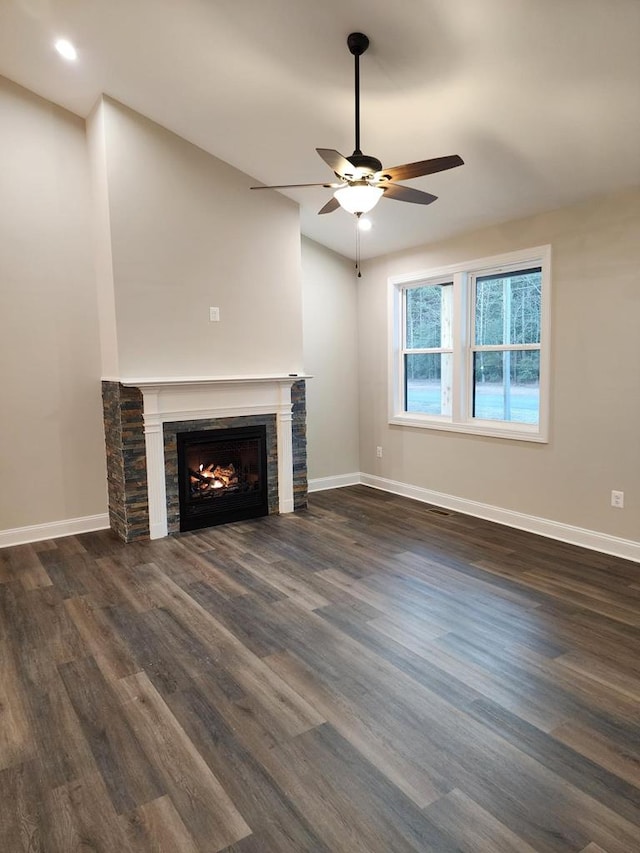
column 195, row 516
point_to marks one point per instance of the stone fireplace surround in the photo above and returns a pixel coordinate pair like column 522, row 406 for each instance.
column 143, row 416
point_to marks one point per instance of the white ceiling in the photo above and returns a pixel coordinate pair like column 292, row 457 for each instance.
column 541, row 98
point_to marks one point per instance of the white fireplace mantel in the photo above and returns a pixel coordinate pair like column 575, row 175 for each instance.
column 171, row 399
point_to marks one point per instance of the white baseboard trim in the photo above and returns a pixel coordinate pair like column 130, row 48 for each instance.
column 335, row 482
column 591, row 539
column 53, row 530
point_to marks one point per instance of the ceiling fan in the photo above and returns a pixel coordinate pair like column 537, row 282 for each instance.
column 362, row 179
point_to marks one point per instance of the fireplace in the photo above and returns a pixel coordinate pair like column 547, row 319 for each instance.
column 143, row 419
column 222, row 476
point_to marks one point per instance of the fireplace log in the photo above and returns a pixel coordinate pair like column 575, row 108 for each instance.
column 198, row 476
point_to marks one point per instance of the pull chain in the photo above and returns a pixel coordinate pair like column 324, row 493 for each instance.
column 358, row 215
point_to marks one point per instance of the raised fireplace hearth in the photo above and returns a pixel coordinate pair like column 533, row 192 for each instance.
column 145, row 418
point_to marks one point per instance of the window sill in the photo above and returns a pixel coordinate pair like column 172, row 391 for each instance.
column 522, row 432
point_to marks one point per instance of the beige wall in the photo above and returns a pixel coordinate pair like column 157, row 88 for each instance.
column 331, row 356
column 186, row 234
column 51, row 441
column 595, row 396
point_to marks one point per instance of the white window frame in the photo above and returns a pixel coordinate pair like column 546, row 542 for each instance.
column 463, row 276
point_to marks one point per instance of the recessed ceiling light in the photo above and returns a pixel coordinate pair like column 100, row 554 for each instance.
column 66, row 49
column 364, row 224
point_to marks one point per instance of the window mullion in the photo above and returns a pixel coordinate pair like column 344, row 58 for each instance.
column 459, row 345
column 470, row 325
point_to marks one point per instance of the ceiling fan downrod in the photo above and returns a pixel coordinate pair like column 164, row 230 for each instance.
column 357, row 43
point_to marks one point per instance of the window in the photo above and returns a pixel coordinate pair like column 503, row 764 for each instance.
column 470, row 347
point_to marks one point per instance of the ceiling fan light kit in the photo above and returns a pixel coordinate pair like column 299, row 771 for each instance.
column 362, row 179
column 358, row 198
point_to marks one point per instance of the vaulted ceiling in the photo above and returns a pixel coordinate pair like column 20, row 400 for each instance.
column 541, row 98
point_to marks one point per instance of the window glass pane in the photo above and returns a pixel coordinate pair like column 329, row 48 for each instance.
column 506, row 386
column 428, row 383
column 508, row 308
column 428, row 316
column 489, row 318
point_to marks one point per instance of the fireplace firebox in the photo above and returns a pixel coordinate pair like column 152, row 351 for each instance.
column 222, row 476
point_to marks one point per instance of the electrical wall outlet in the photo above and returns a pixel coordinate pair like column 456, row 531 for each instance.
column 379, row 452
column 214, row 315
column 617, row 499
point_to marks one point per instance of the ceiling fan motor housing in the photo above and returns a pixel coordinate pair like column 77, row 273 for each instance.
column 366, row 164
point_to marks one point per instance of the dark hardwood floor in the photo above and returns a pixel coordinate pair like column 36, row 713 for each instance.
column 369, row 675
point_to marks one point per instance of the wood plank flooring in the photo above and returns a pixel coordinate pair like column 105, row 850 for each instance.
column 367, row 676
